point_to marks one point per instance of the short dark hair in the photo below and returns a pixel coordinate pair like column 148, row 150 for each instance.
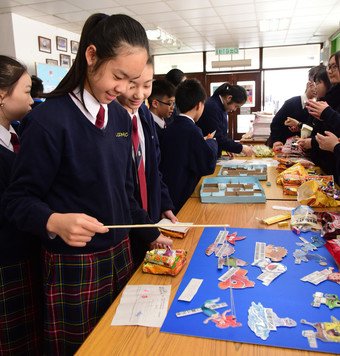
column 314, row 71
column 10, row 72
column 188, row 94
column 37, row 87
column 322, row 76
column 175, row 76
column 160, row 88
column 108, row 34
column 238, row 93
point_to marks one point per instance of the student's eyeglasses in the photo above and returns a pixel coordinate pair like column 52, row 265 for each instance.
column 332, row 67
column 172, row 103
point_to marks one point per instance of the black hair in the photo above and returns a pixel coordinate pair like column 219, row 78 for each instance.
column 37, row 89
column 314, row 71
column 175, row 76
column 188, row 94
column 160, row 88
column 238, row 93
column 10, row 72
column 322, row 76
column 108, row 34
column 336, row 56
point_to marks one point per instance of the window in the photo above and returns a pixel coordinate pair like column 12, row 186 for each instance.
column 291, row 56
column 186, row 62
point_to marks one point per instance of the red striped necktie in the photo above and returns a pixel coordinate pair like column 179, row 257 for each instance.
column 139, row 164
column 15, row 142
column 100, row 117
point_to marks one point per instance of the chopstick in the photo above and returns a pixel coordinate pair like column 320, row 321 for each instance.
column 162, row 226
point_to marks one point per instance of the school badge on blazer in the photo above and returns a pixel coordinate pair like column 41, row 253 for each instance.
column 122, row 134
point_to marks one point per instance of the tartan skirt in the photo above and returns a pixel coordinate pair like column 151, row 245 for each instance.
column 78, row 290
column 20, row 309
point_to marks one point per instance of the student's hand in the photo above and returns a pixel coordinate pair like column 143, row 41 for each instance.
column 315, row 108
column 291, row 122
column 247, row 150
column 328, row 141
column 305, row 143
column 161, row 242
column 75, row 229
column 277, row 146
column 170, row 215
column 209, row 136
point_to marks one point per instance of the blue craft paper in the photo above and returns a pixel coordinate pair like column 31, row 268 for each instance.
column 287, row 295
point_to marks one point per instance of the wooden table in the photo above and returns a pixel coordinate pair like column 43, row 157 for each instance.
column 137, row 340
column 273, row 192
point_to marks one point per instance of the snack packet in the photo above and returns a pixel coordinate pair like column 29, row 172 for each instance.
column 304, row 219
column 311, row 193
column 330, row 222
column 164, row 261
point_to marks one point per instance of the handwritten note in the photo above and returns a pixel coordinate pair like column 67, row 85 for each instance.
column 144, row 305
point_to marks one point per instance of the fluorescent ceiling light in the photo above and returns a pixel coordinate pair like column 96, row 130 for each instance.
column 163, row 36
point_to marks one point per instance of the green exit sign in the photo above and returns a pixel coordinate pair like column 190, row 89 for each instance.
column 230, row 50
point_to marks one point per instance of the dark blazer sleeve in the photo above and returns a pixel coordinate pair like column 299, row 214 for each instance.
column 337, row 155
column 331, row 119
column 203, row 154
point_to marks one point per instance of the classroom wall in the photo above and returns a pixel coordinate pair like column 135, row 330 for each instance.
column 6, row 29
column 22, row 40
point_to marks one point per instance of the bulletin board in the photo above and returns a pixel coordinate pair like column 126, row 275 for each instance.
column 287, row 295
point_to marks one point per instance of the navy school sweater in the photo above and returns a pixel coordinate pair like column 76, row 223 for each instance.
column 67, row 165
column 186, row 157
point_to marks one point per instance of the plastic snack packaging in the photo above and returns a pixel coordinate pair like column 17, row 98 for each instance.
column 304, row 219
column 312, row 193
column 297, row 170
column 164, row 261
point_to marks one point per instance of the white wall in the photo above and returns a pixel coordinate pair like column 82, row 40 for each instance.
column 6, row 29
column 25, row 38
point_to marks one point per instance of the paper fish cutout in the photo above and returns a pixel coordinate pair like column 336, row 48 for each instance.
column 238, row 280
column 223, row 320
column 232, row 238
column 275, row 253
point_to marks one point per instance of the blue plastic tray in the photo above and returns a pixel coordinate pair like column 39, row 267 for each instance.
column 258, row 171
column 232, row 190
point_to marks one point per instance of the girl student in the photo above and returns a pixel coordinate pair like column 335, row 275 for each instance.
column 73, row 175
column 159, row 203
column 226, row 98
column 19, row 312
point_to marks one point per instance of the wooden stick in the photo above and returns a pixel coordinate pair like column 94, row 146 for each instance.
column 163, row 226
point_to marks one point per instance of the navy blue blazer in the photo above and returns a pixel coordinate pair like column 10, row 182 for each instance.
column 292, row 108
column 215, row 118
column 186, row 157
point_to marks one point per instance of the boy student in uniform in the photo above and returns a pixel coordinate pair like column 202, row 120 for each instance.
column 186, row 154
column 156, row 200
column 20, row 330
column 226, row 98
column 73, row 175
column 161, row 103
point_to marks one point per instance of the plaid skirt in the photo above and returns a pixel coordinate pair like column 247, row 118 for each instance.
column 20, row 316
column 78, row 290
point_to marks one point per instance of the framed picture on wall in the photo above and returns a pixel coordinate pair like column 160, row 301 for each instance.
column 74, row 47
column 44, row 44
column 53, row 62
column 214, row 86
column 249, row 86
column 65, row 60
column 61, row 43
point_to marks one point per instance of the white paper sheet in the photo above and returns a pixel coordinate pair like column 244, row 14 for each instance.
column 144, row 305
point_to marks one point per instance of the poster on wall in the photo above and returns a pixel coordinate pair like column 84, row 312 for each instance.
column 249, row 86
column 214, row 86
column 50, row 74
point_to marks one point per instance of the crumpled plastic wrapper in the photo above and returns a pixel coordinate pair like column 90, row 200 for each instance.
column 304, row 219
column 310, row 193
column 297, row 170
column 162, row 261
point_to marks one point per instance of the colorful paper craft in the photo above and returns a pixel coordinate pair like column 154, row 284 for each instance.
column 331, row 300
column 237, row 280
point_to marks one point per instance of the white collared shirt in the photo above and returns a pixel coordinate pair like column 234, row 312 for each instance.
column 92, row 106
column 158, row 120
column 140, row 135
column 303, row 100
column 5, row 137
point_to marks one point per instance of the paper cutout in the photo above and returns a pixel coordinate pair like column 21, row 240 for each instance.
column 325, row 331
column 317, row 277
column 262, row 320
column 238, row 280
column 223, row 321
column 330, row 300
column 275, row 253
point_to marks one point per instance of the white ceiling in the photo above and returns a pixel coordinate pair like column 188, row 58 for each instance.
column 198, row 24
